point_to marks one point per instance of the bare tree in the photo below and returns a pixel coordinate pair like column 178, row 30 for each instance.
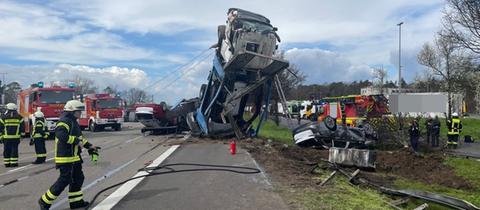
column 111, row 90
column 135, row 95
column 462, row 23
column 443, row 60
column 380, row 74
column 84, row 85
column 11, row 91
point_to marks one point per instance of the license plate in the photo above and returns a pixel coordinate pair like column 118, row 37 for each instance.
column 304, row 135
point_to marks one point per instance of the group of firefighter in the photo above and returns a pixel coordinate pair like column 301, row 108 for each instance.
column 68, row 147
column 433, row 125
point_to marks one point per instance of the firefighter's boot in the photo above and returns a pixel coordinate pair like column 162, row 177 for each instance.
column 79, row 204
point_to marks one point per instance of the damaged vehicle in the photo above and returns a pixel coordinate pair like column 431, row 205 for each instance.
column 247, row 32
column 244, row 68
column 327, row 133
column 160, row 119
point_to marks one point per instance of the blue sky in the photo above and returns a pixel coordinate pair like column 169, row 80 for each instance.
column 135, row 43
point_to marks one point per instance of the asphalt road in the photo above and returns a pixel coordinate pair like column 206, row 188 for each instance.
column 126, row 151
column 205, row 189
column 122, row 154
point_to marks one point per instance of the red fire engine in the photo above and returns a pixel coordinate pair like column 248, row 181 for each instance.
column 49, row 100
column 102, row 110
column 355, row 108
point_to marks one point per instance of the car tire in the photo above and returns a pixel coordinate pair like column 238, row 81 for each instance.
column 118, row 127
column 330, row 123
column 221, row 35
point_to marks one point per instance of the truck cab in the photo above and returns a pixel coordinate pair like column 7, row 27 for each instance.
column 49, row 100
column 101, row 111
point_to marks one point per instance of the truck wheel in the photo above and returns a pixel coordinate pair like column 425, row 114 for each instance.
column 221, row 35
column 202, row 90
column 93, row 127
column 118, row 127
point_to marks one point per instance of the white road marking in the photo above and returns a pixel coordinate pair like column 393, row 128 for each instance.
column 109, row 202
column 49, row 159
column 261, row 170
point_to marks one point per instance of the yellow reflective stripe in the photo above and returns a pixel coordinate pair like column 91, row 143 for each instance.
column 71, row 200
column 12, row 121
column 11, row 124
column 45, row 199
column 64, row 125
column 51, row 195
column 75, row 193
column 71, row 139
column 37, row 135
column 84, row 141
column 67, row 159
column 42, row 155
column 11, row 136
column 75, row 151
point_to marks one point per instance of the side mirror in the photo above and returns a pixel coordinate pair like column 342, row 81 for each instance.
column 275, row 29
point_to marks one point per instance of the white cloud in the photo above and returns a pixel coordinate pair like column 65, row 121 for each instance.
column 123, row 78
column 359, row 34
column 323, row 66
column 36, row 33
column 183, row 84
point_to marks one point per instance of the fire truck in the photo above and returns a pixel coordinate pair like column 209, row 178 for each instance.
column 355, row 108
column 49, row 100
column 102, row 110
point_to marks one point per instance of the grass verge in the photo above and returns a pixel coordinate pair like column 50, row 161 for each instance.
column 339, row 194
column 466, row 168
column 270, row 130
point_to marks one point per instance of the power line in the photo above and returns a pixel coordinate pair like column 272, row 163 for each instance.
column 187, row 70
column 181, row 67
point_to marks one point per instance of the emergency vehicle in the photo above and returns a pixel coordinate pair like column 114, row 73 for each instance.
column 49, row 100
column 101, row 111
column 356, row 108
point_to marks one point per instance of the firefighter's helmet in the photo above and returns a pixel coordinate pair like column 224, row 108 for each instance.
column 455, row 114
column 38, row 114
column 74, row 105
column 11, row 106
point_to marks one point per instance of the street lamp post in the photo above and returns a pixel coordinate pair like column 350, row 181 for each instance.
column 400, row 57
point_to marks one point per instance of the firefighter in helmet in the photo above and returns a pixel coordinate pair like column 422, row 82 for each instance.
column 68, row 145
column 454, row 128
column 12, row 129
column 39, row 135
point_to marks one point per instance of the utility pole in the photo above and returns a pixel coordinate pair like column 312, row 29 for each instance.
column 3, row 83
column 400, row 57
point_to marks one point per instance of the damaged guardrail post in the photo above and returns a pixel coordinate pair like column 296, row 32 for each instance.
column 352, row 157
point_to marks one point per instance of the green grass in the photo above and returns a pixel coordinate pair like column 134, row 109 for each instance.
column 339, row 194
column 472, row 197
column 470, row 127
column 270, row 130
column 466, row 168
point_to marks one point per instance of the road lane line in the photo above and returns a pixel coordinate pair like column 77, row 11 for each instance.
column 31, row 166
column 109, row 202
column 106, row 175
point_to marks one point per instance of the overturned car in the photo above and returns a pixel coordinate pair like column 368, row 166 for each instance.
column 328, row 134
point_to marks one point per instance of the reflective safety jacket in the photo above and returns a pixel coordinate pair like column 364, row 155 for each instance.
column 68, row 140
column 454, row 126
column 40, row 130
column 11, row 126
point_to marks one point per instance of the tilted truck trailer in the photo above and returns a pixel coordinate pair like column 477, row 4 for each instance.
column 50, row 100
column 101, row 111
